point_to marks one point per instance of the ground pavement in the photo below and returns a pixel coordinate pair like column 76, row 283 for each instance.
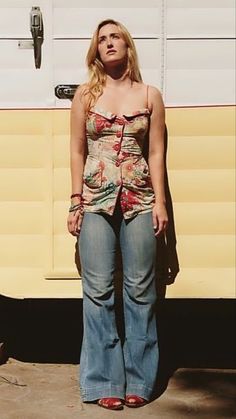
column 48, row 391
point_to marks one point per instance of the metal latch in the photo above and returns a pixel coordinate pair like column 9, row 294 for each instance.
column 65, row 91
column 36, row 27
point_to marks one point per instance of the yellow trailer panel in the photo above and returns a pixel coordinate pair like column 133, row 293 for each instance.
column 37, row 253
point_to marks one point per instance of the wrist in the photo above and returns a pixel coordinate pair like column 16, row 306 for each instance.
column 160, row 203
column 75, row 201
column 77, row 207
column 76, row 198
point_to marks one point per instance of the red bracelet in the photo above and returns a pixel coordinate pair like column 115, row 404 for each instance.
column 79, row 195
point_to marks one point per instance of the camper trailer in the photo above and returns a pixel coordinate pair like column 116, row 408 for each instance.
column 186, row 49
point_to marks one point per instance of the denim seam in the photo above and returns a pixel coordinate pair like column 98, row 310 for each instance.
column 93, row 393
column 140, row 386
column 101, row 386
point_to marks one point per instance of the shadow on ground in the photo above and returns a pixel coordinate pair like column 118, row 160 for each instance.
column 193, row 334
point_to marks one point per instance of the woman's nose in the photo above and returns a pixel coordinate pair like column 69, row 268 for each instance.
column 109, row 43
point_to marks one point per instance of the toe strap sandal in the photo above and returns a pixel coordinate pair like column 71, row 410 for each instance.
column 112, row 403
column 131, row 400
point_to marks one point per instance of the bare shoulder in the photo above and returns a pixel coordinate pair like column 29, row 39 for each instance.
column 155, row 95
column 155, row 102
column 79, row 98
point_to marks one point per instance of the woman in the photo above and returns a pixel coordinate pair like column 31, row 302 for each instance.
column 117, row 196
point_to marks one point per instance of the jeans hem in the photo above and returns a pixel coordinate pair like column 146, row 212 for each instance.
column 140, row 390
column 93, row 393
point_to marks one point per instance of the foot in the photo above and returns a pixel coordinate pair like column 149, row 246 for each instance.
column 132, row 400
column 112, row 403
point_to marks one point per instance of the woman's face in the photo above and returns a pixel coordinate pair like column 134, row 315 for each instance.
column 111, row 46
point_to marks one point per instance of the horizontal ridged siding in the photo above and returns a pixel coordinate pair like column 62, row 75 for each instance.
column 35, row 185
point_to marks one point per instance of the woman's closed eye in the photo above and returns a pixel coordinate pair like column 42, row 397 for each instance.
column 115, row 36
column 101, row 39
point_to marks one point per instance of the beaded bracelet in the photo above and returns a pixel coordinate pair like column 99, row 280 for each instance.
column 74, row 195
column 76, row 207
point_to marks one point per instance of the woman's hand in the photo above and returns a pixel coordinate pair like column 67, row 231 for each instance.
column 160, row 218
column 74, row 222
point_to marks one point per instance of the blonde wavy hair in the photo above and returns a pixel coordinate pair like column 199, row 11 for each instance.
column 97, row 74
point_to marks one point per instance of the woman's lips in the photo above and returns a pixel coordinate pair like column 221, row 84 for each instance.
column 111, row 51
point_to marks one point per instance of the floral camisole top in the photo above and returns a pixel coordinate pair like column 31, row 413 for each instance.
column 115, row 167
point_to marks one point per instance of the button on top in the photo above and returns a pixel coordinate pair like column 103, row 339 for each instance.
column 117, row 147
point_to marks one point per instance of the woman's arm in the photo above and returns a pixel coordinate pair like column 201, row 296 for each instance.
column 77, row 140
column 77, row 156
column 156, row 159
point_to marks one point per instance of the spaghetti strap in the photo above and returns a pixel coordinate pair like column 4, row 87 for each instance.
column 147, row 96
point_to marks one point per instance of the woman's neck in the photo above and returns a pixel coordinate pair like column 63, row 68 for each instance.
column 117, row 74
column 123, row 82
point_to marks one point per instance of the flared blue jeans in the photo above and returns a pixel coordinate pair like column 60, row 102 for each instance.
column 108, row 368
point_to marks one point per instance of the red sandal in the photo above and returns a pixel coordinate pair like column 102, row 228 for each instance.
column 112, row 403
column 132, row 400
